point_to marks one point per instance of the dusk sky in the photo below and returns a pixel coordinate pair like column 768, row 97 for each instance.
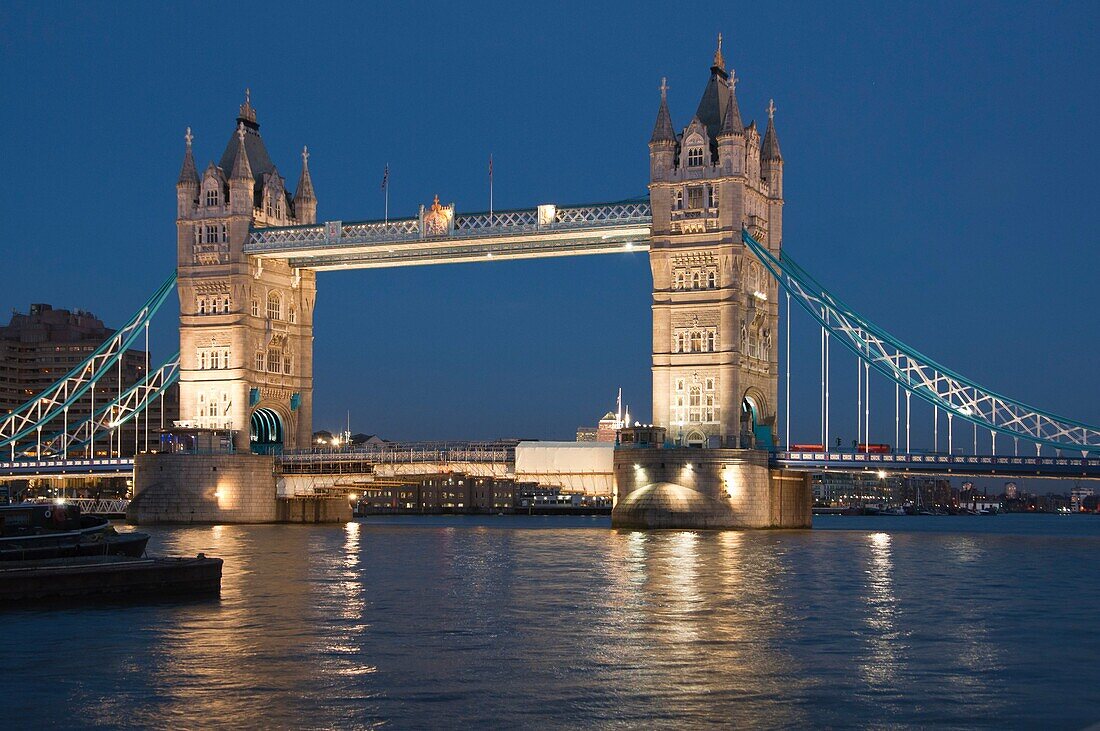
column 941, row 176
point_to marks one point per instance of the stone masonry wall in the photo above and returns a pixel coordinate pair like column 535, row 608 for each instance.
column 193, row 488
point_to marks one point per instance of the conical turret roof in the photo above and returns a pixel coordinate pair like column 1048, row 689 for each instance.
column 731, row 119
column 305, row 183
column 769, row 150
column 662, row 129
column 188, row 173
column 242, row 170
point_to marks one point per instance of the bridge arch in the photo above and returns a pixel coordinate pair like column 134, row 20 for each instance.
column 755, row 421
column 267, row 431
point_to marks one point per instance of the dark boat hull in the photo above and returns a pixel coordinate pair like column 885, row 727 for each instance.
column 67, row 545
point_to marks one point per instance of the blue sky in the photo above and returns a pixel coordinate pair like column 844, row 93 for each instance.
column 940, row 176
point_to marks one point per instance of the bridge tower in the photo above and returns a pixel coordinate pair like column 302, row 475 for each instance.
column 715, row 308
column 246, row 325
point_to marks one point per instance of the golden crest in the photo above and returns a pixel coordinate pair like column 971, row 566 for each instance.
column 437, row 220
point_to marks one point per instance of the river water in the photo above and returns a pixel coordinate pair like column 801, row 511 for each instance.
column 990, row 622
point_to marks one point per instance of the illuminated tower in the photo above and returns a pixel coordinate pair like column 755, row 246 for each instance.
column 715, row 310
column 246, row 325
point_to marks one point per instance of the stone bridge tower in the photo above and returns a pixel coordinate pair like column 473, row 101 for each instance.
column 246, row 326
column 715, row 309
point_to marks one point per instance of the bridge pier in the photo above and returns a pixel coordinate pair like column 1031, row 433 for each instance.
column 221, row 488
column 680, row 487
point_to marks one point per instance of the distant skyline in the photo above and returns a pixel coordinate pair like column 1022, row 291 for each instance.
column 940, row 176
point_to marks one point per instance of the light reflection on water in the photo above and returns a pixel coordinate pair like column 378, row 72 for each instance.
column 563, row 622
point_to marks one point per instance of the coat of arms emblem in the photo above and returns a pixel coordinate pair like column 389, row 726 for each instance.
column 437, row 219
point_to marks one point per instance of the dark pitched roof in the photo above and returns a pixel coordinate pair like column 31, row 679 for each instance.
column 712, row 107
column 258, row 160
column 662, row 129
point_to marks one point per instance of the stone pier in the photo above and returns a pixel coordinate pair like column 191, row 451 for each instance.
column 221, row 488
column 683, row 487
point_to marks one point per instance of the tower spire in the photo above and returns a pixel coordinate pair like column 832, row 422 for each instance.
column 731, row 118
column 305, row 182
column 769, row 150
column 241, row 169
column 662, row 130
column 188, row 173
column 719, row 61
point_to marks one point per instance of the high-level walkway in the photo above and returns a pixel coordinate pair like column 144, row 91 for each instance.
column 544, row 231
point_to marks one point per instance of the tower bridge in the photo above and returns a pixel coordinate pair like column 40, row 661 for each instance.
column 248, row 253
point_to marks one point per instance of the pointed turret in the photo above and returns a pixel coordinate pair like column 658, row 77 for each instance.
column 769, row 150
column 242, row 186
column 662, row 130
column 189, row 175
column 662, row 145
column 241, row 169
column 305, row 201
column 731, row 120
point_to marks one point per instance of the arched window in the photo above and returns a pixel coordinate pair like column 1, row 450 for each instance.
column 679, row 203
column 202, row 360
column 695, row 280
column 695, row 157
column 696, row 341
column 215, row 305
column 202, row 305
column 225, row 304
column 712, row 279
column 211, row 196
column 695, row 396
column 292, row 314
column 255, row 308
column 274, row 306
column 710, row 341
column 286, row 364
column 225, row 233
column 708, row 412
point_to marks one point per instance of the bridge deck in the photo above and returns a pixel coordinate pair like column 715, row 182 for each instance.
column 941, row 464
column 546, row 231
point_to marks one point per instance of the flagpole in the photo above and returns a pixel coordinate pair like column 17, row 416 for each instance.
column 386, row 190
column 490, row 189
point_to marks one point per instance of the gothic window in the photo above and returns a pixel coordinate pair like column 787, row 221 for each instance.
column 211, row 234
column 695, row 198
column 198, row 234
column 696, row 341
column 286, row 364
column 695, row 157
column 215, row 305
column 225, row 234
column 695, row 280
column 710, row 196
column 274, row 360
column 708, row 412
column 710, row 341
column 225, row 305
column 202, row 360
column 278, row 208
column 202, row 305
column 694, row 399
column 679, row 202
column 679, row 384
column 712, row 279
column 710, row 384
column 292, row 315
column 679, row 280
column 259, row 361
column 255, row 308
column 274, row 306
column 212, row 197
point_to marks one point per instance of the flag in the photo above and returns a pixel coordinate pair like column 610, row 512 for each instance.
column 386, row 176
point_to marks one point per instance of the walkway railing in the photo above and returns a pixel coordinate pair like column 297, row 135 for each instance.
column 365, row 458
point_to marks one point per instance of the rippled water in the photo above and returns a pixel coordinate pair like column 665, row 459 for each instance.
column 552, row 622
